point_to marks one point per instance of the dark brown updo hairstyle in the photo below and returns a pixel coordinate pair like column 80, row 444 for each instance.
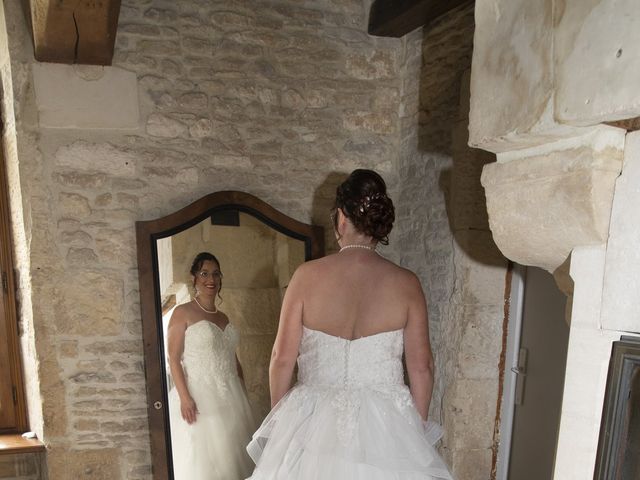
column 363, row 199
column 197, row 263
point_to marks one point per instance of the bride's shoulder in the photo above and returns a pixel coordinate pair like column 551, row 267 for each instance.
column 307, row 268
column 401, row 276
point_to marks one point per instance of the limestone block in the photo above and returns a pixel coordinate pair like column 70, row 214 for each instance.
column 481, row 342
column 254, row 354
column 81, row 257
column 102, row 464
column 53, row 395
column 371, row 65
column 470, row 410
column 88, row 303
column 159, row 125
column 74, row 205
column 171, row 175
column 292, row 99
column 545, row 201
column 91, row 157
column 512, row 76
column 194, row 101
column 620, row 302
column 597, row 67
column 75, row 237
column 116, row 247
column 85, row 97
column 480, row 268
column 68, row 349
column 374, row 122
column 253, row 310
column 469, row 462
column 202, row 128
column 80, row 180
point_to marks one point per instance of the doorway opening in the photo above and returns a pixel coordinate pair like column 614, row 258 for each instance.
column 535, row 363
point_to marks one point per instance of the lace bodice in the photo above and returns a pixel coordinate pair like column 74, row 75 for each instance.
column 210, row 353
column 326, row 360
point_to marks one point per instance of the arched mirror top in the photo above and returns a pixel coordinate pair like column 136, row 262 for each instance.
column 234, row 201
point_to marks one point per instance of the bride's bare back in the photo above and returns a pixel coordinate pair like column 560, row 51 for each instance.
column 355, row 293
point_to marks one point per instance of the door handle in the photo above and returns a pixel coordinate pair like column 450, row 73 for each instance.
column 521, row 371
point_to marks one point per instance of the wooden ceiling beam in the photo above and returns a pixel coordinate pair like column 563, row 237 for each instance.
column 396, row 18
column 74, row 31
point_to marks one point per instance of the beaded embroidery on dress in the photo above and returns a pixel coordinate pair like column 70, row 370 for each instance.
column 212, row 448
column 349, row 417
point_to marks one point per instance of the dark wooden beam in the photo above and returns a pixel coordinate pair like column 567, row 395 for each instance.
column 396, row 18
column 74, row 31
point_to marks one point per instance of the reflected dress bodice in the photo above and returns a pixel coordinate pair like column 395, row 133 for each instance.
column 209, row 355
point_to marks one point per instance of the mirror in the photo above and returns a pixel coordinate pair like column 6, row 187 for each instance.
column 258, row 249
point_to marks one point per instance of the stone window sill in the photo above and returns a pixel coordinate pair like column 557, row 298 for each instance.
column 14, row 443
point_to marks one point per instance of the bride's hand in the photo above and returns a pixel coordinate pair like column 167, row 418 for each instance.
column 189, row 410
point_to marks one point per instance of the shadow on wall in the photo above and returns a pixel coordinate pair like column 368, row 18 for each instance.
column 443, row 133
column 323, row 198
column 464, row 272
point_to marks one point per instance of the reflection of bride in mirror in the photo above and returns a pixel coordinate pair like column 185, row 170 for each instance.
column 211, row 420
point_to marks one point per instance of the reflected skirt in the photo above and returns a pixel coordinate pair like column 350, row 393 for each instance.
column 212, row 448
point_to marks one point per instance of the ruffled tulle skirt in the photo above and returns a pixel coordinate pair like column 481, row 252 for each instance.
column 322, row 433
column 212, row 448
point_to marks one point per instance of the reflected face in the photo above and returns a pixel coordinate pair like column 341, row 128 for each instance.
column 208, row 279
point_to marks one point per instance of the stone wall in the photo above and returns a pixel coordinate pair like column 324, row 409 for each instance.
column 275, row 99
column 444, row 236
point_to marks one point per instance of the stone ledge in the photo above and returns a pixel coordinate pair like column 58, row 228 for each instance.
column 545, row 201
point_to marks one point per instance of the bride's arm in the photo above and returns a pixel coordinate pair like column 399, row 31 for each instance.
column 285, row 347
column 175, row 332
column 417, row 349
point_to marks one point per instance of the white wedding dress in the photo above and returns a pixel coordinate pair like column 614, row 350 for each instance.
column 349, row 417
column 212, row 448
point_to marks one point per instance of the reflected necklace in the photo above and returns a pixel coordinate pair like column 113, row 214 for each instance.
column 207, row 311
column 357, row 245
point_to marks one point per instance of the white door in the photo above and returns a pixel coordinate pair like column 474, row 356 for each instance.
column 534, row 377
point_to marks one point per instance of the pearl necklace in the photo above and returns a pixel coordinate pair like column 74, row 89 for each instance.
column 207, row 311
column 357, row 245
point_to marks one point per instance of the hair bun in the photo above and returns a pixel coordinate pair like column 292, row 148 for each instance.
column 363, row 199
column 378, row 215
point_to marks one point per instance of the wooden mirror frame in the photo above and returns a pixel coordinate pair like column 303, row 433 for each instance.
column 147, row 233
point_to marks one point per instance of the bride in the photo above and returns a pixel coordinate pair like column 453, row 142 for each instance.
column 211, row 420
column 347, row 319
